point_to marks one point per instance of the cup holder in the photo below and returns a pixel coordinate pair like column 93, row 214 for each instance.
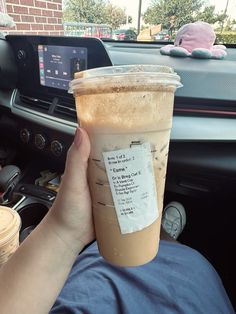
column 31, row 215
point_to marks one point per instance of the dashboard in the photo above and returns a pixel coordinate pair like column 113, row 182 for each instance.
column 37, row 71
column 207, row 98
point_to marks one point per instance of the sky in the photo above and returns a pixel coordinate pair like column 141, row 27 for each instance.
column 131, row 6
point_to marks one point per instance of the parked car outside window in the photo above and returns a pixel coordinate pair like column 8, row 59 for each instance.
column 124, row 34
column 163, row 36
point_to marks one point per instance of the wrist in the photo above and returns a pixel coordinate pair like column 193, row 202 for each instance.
column 67, row 237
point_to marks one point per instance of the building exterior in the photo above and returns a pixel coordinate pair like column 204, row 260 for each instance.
column 38, row 17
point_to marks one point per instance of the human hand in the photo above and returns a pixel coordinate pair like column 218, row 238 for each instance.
column 36, row 272
column 71, row 213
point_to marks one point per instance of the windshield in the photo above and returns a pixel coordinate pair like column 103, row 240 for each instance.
column 133, row 20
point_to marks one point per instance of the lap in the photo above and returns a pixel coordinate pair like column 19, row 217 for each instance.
column 178, row 280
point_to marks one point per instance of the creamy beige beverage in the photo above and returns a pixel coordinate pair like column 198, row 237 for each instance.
column 127, row 112
column 10, row 223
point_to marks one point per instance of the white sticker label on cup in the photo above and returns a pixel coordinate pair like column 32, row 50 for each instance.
column 132, row 181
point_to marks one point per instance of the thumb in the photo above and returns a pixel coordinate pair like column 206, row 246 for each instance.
column 77, row 161
column 72, row 207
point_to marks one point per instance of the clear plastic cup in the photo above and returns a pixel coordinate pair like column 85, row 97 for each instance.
column 10, row 224
column 127, row 112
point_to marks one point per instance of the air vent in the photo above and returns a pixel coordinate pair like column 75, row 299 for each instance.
column 35, row 103
column 66, row 111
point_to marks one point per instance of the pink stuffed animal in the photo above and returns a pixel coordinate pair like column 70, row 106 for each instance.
column 195, row 40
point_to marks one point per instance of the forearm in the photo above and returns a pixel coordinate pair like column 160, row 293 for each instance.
column 35, row 274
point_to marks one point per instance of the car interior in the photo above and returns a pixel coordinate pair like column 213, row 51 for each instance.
column 38, row 122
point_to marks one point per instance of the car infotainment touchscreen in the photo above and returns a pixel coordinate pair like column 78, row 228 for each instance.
column 57, row 64
column 46, row 64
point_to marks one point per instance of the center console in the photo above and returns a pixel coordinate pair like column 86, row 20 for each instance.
column 44, row 112
column 45, row 66
column 32, row 204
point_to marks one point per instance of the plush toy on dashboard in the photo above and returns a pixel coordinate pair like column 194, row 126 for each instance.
column 195, row 40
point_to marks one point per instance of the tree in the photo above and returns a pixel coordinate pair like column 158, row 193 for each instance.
column 95, row 11
column 172, row 13
column 208, row 15
column 90, row 11
column 230, row 25
column 115, row 16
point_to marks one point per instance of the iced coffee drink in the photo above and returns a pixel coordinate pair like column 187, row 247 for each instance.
column 10, row 223
column 127, row 112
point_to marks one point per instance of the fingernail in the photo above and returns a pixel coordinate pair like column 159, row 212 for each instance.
column 78, row 137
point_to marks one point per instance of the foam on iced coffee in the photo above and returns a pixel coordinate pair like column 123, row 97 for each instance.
column 10, row 223
column 127, row 112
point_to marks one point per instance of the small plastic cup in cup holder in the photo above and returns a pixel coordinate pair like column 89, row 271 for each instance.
column 31, row 215
column 10, row 223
